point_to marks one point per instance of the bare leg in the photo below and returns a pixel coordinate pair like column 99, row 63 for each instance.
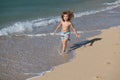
column 64, row 45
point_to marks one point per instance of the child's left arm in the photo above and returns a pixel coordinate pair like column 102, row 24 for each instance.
column 75, row 31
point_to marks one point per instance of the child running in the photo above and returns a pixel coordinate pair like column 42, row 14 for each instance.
column 65, row 25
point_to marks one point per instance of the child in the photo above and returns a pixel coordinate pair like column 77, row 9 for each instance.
column 65, row 25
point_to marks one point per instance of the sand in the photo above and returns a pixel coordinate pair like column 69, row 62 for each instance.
column 100, row 61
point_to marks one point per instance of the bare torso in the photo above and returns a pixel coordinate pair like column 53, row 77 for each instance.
column 65, row 26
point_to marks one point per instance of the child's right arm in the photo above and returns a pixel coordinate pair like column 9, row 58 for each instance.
column 58, row 26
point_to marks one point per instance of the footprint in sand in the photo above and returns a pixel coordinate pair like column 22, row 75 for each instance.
column 108, row 63
column 117, row 44
column 116, row 53
column 99, row 77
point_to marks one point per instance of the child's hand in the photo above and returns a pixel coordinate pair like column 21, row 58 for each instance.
column 54, row 33
column 77, row 35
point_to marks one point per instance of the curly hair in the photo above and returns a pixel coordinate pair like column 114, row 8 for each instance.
column 69, row 13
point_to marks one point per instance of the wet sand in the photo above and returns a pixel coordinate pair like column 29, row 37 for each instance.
column 96, row 59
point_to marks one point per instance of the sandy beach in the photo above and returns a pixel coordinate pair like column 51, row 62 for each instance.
column 98, row 61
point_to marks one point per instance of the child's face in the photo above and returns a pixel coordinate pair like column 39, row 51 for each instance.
column 65, row 17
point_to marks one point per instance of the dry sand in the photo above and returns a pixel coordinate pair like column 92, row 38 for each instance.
column 101, row 61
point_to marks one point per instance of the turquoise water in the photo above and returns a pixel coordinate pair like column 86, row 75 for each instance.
column 26, row 15
column 21, row 10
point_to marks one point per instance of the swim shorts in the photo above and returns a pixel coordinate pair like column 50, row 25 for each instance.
column 65, row 36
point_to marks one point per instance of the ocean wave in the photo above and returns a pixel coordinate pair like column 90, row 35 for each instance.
column 46, row 21
column 21, row 27
column 95, row 11
column 113, row 3
column 17, row 27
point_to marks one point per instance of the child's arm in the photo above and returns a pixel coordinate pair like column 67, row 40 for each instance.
column 75, row 31
column 58, row 26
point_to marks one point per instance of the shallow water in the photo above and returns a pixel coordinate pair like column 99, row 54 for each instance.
column 28, row 56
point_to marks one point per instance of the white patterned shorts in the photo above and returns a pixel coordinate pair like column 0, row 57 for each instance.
column 65, row 36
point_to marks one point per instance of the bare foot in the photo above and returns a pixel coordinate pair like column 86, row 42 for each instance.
column 62, row 53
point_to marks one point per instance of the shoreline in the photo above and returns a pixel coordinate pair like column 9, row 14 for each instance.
column 69, row 71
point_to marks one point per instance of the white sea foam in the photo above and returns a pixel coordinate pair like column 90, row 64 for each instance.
column 52, row 34
column 46, row 21
column 94, row 12
column 17, row 28
column 113, row 3
column 21, row 27
column 39, row 74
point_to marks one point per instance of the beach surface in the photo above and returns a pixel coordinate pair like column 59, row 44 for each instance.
column 98, row 59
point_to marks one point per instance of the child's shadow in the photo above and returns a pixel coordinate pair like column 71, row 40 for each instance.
column 84, row 43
